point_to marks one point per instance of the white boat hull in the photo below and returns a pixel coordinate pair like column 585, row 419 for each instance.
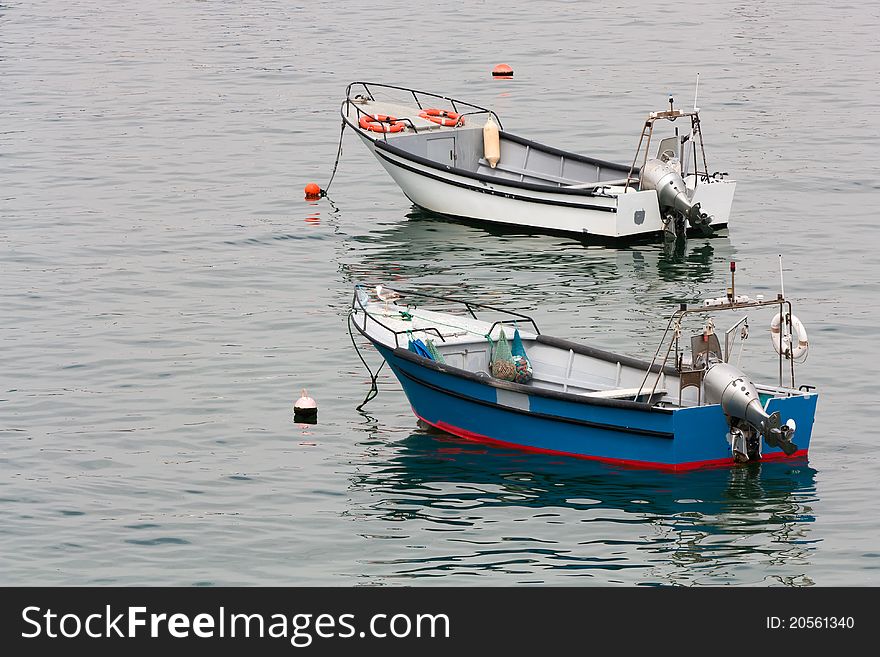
column 618, row 215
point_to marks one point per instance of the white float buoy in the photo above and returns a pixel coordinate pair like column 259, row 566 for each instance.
column 491, row 142
column 305, row 409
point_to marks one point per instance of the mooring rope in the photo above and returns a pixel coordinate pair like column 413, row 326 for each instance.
column 374, row 388
column 336, row 163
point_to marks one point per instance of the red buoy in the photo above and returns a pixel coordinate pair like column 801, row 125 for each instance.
column 502, row 71
column 313, row 191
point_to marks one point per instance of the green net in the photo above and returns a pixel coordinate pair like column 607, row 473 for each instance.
column 507, row 362
column 502, row 348
column 501, row 365
column 517, row 348
column 435, row 354
column 520, row 360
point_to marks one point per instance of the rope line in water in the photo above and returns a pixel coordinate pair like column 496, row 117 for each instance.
column 374, row 388
column 336, row 163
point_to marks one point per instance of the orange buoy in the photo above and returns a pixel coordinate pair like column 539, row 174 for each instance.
column 502, row 71
column 313, row 191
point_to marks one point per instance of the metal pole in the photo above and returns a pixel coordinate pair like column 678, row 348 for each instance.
column 732, row 281
column 790, row 327
column 703, row 149
column 635, row 158
column 781, row 317
column 781, row 278
column 781, row 333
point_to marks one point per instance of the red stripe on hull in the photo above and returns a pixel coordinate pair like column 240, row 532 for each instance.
column 674, row 467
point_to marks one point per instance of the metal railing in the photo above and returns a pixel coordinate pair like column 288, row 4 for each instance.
column 357, row 304
column 674, row 325
column 648, row 131
column 458, row 106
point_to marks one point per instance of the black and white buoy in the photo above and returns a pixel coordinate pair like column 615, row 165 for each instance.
column 305, row 409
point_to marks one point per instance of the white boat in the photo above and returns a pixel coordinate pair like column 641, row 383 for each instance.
column 454, row 158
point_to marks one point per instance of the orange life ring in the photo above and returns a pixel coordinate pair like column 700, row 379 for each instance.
column 446, row 118
column 381, row 123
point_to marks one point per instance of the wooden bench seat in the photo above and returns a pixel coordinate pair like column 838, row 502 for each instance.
column 623, row 393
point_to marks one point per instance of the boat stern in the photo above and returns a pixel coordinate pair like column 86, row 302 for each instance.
column 798, row 412
column 716, row 200
column 703, row 435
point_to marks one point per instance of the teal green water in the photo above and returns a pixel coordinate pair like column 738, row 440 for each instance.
column 167, row 292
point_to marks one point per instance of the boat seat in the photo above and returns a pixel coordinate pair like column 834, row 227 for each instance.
column 423, row 125
column 602, row 183
column 530, row 173
column 706, row 349
column 623, row 393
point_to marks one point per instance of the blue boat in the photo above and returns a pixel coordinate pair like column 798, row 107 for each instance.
column 487, row 374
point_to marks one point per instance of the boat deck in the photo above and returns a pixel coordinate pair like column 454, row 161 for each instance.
column 461, row 147
column 444, row 329
column 463, row 343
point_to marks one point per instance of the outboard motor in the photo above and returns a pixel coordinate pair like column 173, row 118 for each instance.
column 664, row 175
column 726, row 385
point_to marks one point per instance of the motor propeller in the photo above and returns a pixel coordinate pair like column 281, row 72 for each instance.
column 779, row 435
column 699, row 220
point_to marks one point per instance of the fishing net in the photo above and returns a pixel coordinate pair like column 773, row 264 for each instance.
column 516, row 348
column 499, row 358
column 503, row 369
column 435, row 354
column 510, row 363
column 520, row 359
column 502, row 348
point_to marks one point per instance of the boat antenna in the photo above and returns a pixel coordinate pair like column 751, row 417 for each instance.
column 781, row 278
column 684, row 152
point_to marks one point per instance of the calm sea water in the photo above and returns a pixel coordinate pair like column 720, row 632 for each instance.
column 166, row 292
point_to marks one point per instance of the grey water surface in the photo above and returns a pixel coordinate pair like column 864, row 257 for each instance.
column 167, row 292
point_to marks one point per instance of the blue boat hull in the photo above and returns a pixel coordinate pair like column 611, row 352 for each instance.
column 634, row 435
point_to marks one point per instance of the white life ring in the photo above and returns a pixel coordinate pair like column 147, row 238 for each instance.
column 782, row 343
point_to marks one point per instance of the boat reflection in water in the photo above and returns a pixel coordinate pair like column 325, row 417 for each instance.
column 490, row 258
column 515, row 517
